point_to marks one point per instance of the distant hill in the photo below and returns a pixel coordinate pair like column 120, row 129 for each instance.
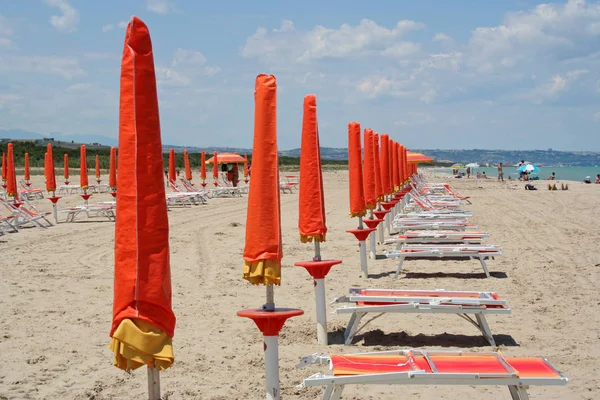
column 510, row 157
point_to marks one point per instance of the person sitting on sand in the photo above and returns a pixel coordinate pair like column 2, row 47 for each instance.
column 598, row 178
column 552, row 187
column 529, row 186
column 564, row 186
column 483, row 175
column 478, row 175
column 587, row 180
column 551, row 177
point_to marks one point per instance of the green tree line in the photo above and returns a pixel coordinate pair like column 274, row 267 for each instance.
column 37, row 152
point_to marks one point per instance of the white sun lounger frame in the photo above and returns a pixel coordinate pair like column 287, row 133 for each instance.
column 334, row 385
column 92, row 210
column 461, row 251
column 437, row 237
column 419, row 304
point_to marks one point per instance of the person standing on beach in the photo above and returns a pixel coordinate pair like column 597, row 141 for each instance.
column 500, row 173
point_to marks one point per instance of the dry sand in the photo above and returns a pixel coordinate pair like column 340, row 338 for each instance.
column 56, row 300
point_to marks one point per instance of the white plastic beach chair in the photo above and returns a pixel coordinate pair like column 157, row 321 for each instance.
column 481, row 252
column 98, row 210
column 382, row 301
column 420, row 367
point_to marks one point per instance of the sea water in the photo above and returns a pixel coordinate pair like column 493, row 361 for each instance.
column 562, row 173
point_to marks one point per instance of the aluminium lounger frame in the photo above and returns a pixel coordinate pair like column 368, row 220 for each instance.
column 432, row 252
column 463, row 307
column 334, row 385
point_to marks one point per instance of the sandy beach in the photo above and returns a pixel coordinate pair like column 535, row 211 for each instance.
column 56, row 299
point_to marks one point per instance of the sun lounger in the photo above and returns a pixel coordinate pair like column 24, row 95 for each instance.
column 381, row 301
column 28, row 193
column 68, row 189
column 481, row 252
column 196, row 197
column 420, row 367
column 454, row 214
column 91, row 211
column 406, row 224
column 437, row 237
column 22, row 217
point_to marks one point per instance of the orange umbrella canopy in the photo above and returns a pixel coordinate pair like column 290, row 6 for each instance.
column 11, row 177
column 27, row 172
column 83, row 172
column 263, row 248
column 112, row 172
column 416, row 158
column 66, row 166
column 4, row 167
column 384, row 164
column 377, row 166
column 203, row 166
column 97, row 167
column 51, row 178
column 357, row 197
column 227, row 158
column 215, row 166
column 186, row 165
column 143, row 320
column 311, row 218
column 172, row 172
column 369, row 171
column 395, row 166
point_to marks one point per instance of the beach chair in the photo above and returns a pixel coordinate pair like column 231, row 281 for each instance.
column 32, row 211
column 22, row 217
column 437, row 237
column 449, row 214
column 98, row 210
column 481, row 252
column 179, row 199
column 30, row 194
column 413, row 224
column 221, row 190
column 190, row 188
column 382, row 301
column 68, row 189
column 195, row 197
column 421, row 367
column 6, row 224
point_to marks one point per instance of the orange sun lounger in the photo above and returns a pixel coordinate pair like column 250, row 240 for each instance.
column 420, row 367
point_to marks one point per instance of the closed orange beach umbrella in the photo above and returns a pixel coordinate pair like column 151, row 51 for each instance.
column 83, row 172
column 215, row 166
column 406, row 164
column 112, row 171
column 97, row 167
column 377, row 166
column 369, row 171
column 390, row 164
column 143, row 320
column 186, row 165
column 4, row 167
column 11, row 177
column 27, row 172
column 172, row 172
column 357, row 197
column 384, row 164
column 395, row 166
column 203, row 165
column 311, row 218
column 66, row 167
column 51, row 178
column 263, row 249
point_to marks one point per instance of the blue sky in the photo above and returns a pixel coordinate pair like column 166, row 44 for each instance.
column 432, row 74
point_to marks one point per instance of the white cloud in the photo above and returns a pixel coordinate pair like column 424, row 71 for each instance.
column 321, row 42
column 66, row 67
column 554, row 87
column 183, row 56
column 402, row 50
column 108, row 27
column 170, row 77
column 5, row 26
column 414, row 118
column 123, row 24
column 67, row 22
column 158, row 6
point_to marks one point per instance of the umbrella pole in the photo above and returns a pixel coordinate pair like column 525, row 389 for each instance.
column 380, row 226
column 54, row 211
column 387, row 221
column 372, row 239
column 153, row 383
column 320, row 299
column 363, row 252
